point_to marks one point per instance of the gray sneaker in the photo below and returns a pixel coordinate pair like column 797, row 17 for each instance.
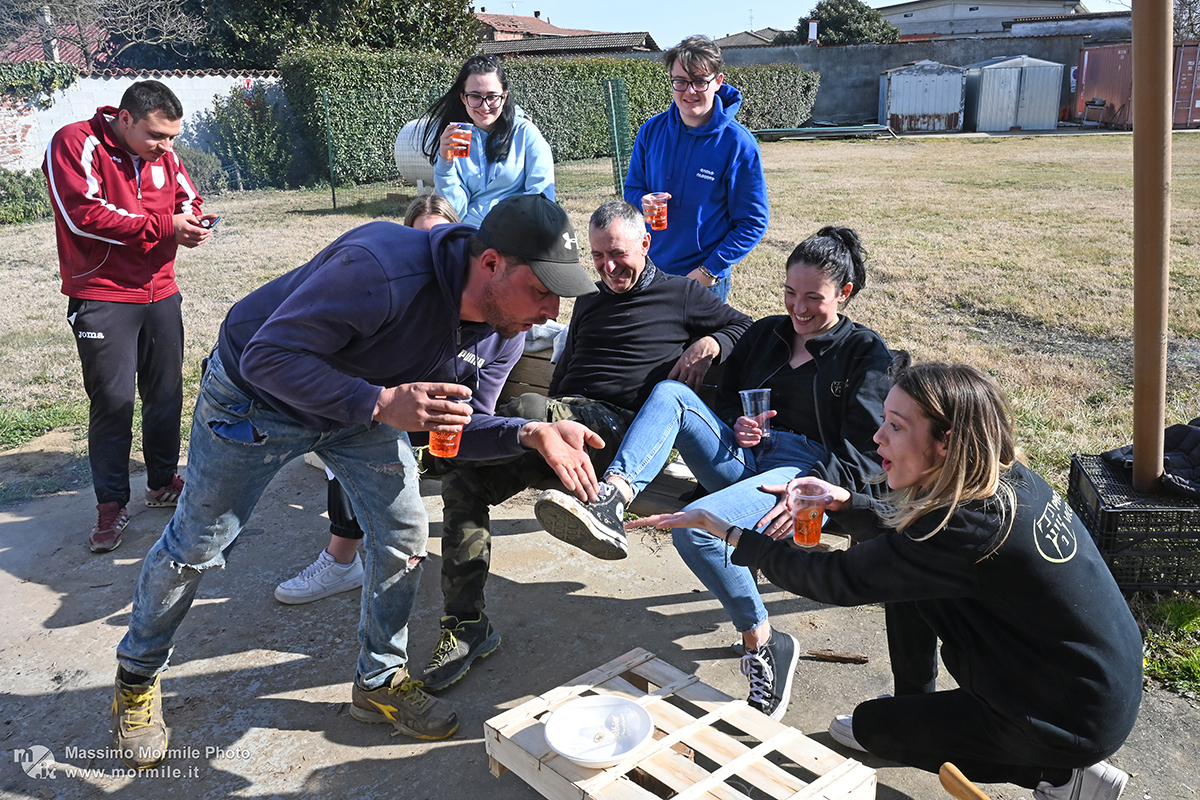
column 461, row 643
column 1100, row 781
column 597, row 528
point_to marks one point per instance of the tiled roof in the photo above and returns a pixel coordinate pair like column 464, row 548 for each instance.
column 529, row 26
column 155, row 73
column 28, row 47
column 748, row 38
column 1071, row 17
column 608, row 42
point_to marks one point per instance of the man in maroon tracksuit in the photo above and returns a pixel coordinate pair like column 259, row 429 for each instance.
column 123, row 203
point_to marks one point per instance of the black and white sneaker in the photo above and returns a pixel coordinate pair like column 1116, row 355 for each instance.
column 597, row 528
column 770, row 670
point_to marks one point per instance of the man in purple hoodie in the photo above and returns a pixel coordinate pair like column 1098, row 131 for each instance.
column 377, row 335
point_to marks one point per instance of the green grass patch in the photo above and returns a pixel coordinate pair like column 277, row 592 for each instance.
column 18, row 427
column 1172, row 640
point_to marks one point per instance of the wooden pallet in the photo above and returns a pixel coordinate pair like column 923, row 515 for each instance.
column 734, row 746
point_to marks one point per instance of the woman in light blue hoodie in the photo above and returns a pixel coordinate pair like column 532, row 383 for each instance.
column 508, row 155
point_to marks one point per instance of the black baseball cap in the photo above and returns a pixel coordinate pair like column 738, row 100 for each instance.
column 535, row 229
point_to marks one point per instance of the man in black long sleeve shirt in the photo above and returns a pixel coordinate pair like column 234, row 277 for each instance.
column 644, row 326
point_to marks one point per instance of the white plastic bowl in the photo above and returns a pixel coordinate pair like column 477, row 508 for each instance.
column 598, row 731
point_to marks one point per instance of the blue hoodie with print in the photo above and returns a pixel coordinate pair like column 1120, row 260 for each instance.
column 718, row 209
column 376, row 308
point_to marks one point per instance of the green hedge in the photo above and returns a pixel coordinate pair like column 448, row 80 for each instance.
column 208, row 176
column 372, row 95
column 23, row 197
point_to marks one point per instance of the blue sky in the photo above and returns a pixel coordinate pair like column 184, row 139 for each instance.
column 669, row 21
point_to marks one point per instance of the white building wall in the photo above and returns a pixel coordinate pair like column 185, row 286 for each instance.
column 26, row 130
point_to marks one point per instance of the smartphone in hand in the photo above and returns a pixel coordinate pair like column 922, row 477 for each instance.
column 209, row 223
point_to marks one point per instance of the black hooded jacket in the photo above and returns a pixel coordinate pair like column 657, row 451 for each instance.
column 852, row 381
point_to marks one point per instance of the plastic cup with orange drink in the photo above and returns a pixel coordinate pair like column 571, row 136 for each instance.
column 808, row 514
column 654, row 206
column 461, row 138
column 444, row 444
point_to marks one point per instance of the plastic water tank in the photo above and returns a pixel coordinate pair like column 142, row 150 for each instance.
column 411, row 163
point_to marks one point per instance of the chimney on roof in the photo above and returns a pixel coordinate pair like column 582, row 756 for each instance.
column 46, row 29
column 537, row 15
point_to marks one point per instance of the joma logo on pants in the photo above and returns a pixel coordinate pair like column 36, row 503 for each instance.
column 91, row 334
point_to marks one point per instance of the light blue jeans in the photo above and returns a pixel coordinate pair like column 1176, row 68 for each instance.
column 674, row 416
column 237, row 447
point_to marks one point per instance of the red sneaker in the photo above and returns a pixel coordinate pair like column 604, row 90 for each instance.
column 166, row 497
column 106, row 533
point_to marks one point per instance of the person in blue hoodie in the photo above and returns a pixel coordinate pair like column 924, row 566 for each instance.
column 711, row 166
column 378, row 335
column 508, row 155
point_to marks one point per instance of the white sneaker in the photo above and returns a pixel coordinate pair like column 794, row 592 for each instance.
column 320, row 579
column 842, row 731
column 1100, row 781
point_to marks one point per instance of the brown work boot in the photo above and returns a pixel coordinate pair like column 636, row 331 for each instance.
column 139, row 732
column 404, row 704
column 106, row 533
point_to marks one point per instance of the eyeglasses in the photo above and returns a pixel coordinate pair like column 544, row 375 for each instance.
column 681, row 84
column 492, row 100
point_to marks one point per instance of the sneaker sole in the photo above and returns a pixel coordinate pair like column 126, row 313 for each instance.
column 299, row 600
column 162, row 503
column 375, row 718
column 486, row 649
column 104, row 547
column 576, row 530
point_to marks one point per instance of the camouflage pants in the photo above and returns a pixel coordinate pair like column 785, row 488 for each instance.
column 470, row 489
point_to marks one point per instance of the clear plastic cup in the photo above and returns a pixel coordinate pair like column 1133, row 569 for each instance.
column 464, row 131
column 756, row 403
column 654, row 206
column 808, row 515
column 444, row 444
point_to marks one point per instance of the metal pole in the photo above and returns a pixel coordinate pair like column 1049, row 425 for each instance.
column 1152, row 53
column 329, row 143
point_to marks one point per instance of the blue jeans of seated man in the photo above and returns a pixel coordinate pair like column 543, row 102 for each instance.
column 675, row 416
column 721, row 288
column 237, row 447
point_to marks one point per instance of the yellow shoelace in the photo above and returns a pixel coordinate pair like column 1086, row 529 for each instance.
column 411, row 692
column 139, row 708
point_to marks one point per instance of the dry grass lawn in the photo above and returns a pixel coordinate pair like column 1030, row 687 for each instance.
column 1013, row 254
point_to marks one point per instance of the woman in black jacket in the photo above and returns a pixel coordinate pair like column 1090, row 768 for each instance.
column 828, row 378
column 1046, row 654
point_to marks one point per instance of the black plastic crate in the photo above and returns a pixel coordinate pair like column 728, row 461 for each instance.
column 1149, row 542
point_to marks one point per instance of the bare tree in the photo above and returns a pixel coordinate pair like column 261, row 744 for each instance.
column 101, row 27
column 1187, row 20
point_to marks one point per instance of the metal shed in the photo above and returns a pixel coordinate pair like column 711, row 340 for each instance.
column 922, row 96
column 1013, row 93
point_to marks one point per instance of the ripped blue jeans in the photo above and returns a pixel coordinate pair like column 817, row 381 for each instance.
column 237, row 447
